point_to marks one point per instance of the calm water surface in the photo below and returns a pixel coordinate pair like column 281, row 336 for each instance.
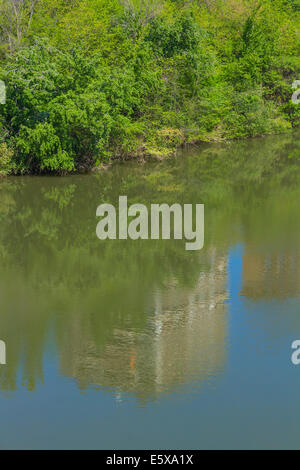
column 142, row 344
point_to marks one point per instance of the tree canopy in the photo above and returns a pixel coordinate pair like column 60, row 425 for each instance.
column 91, row 80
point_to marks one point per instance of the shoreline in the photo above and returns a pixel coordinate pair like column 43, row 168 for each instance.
column 144, row 157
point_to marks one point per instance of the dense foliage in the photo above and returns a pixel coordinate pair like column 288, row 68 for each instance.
column 88, row 80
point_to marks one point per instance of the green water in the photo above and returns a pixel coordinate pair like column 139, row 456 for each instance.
column 142, row 344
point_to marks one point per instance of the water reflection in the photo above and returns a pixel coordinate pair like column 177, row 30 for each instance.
column 182, row 341
column 271, row 275
column 143, row 318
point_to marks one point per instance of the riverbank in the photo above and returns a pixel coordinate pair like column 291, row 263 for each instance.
column 108, row 80
column 169, row 148
column 143, row 154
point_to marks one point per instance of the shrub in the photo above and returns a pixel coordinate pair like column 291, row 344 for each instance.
column 5, row 159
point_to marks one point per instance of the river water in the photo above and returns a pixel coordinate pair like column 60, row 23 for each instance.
column 122, row 344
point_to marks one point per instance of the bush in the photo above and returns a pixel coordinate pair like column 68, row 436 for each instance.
column 5, row 159
column 92, row 80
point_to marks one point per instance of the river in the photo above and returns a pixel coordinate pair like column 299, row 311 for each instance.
column 123, row 344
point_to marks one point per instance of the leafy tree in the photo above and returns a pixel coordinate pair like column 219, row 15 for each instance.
column 90, row 80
